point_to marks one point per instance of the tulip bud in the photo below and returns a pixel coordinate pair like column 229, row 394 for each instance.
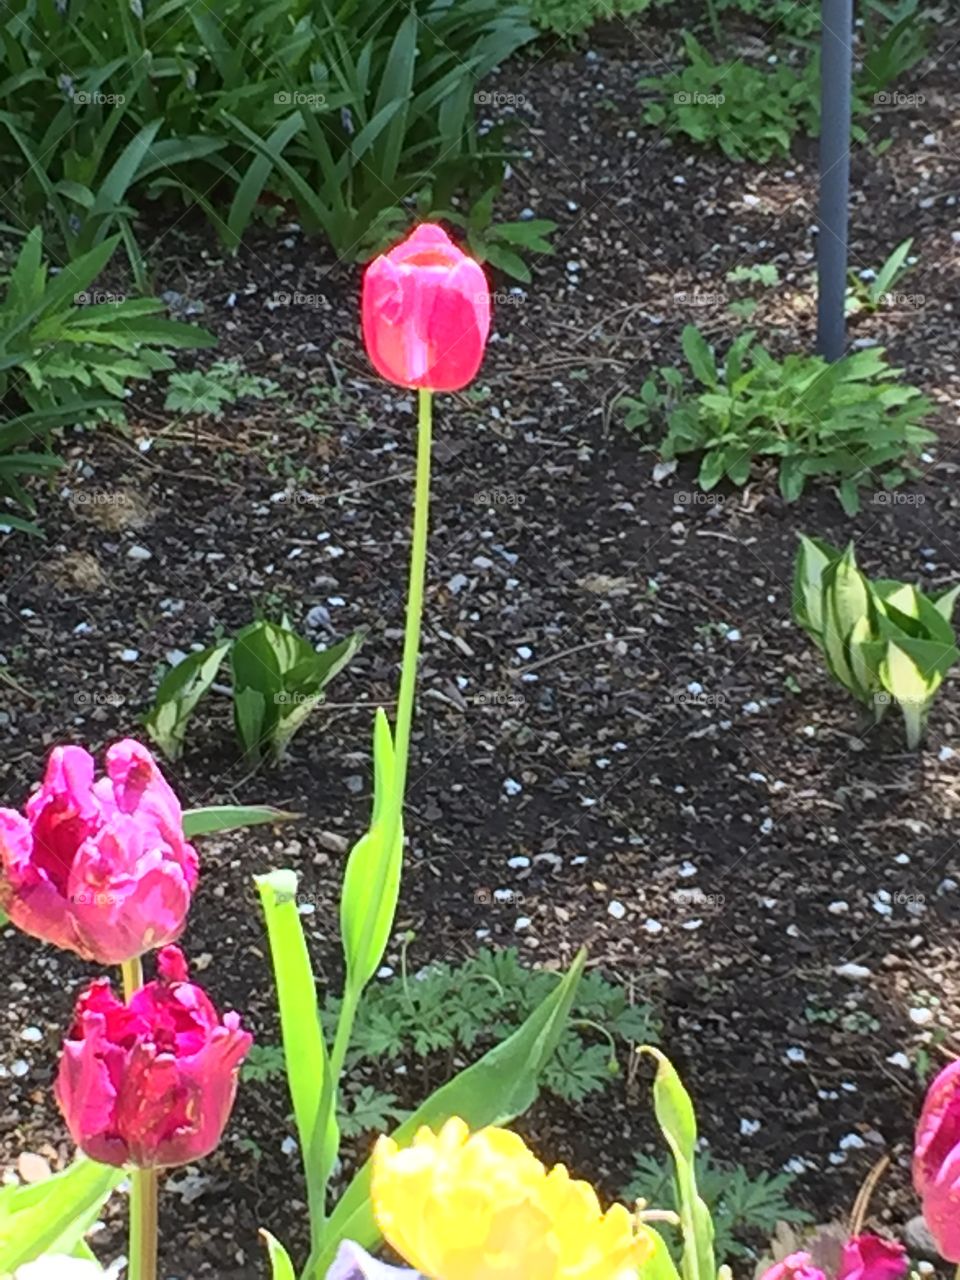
column 426, row 312
column 151, row 1083
column 99, row 868
column 798, row 1266
column 936, row 1165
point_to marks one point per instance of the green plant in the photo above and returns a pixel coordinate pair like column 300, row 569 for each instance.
column 867, row 295
column 502, row 243
column 209, row 391
column 895, row 39
column 343, row 110
column 67, row 352
column 742, row 1207
column 278, row 679
column 571, row 17
column 852, row 421
column 764, row 274
column 751, row 113
column 882, row 640
column 448, row 1009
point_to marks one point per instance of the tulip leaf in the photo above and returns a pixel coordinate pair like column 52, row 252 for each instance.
column 304, row 1048
column 677, row 1119
column 177, row 696
column 371, row 883
column 494, row 1090
column 232, row 817
column 279, row 1258
column 52, row 1216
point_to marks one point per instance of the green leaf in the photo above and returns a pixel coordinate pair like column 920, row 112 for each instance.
column 678, row 1121
column 493, row 1091
column 279, row 1258
column 232, row 817
column 53, row 1216
column 305, row 1050
column 699, row 356
column 177, row 696
column 371, row 882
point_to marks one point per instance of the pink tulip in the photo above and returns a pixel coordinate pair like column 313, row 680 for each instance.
column 864, row 1258
column 101, row 868
column 798, row 1266
column 936, row 1165
column 426, row 312
column 151, row 1083
column 873, row 1258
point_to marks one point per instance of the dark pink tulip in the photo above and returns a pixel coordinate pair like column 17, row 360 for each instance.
column 151, row 1083
column 873, row 1258
column 936, row 1165
column 101, row 868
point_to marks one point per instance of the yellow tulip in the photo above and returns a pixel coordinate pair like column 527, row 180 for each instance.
column 462, row 1206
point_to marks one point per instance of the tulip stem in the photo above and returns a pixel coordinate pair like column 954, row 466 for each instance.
column 143, row 1225
column 411, row 635
column 142, row 1249
column 132, row 977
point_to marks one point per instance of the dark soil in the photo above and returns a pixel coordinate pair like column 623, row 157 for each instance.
column 610, row 674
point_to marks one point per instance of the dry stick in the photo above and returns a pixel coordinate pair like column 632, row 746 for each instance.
column 862, row 1203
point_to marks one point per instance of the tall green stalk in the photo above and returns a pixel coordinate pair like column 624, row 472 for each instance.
column 393, row 817
column 142, row 1249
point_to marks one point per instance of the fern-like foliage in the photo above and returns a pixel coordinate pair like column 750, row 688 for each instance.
column 745, row 1208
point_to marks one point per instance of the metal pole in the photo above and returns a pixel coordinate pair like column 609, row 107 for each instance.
column 836, row 76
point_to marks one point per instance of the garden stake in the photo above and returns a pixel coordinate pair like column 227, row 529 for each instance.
column 833, row 217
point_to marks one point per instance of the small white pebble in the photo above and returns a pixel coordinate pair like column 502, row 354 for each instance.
column 686, row 870
column 512, row 787
column 795, row 1054
column 617, row 910
column 899, row 1060
column 33, row 1035
column 921, row 1017
column 139, row 553
column 518, row 863
column 129, row 655
column 653, row 926
column 522, row 922
column 749, row 1128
